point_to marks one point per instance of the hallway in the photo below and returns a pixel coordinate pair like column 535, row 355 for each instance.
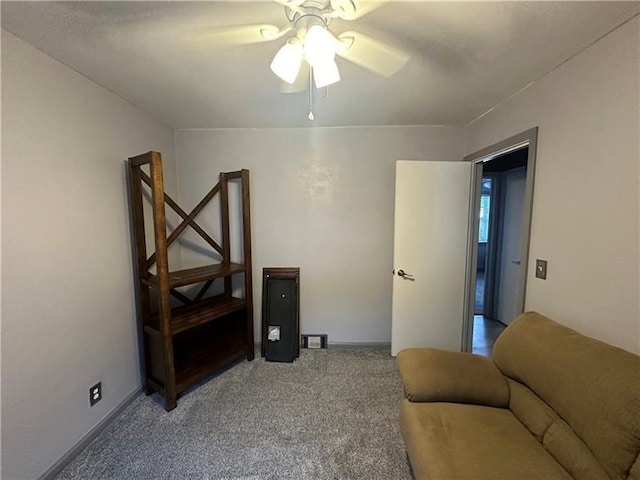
column 485, row 333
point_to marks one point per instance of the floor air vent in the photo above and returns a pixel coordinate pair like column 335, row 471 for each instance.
column 314, row 341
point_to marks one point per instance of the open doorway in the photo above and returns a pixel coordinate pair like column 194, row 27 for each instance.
column 499, row 259
column 500, row 224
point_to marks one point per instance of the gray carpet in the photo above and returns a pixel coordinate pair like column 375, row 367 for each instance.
column 333, row 414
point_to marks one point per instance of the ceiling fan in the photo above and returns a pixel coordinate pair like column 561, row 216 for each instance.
column 309, row 41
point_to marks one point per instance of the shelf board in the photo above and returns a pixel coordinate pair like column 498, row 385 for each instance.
column 206, row 360
column 207, row 310
column 180, row 278
column 189, row 316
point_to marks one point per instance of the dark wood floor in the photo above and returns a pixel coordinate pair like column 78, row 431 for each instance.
column 485, row 332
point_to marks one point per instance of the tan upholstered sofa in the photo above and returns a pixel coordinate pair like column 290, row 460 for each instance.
column 550, row 404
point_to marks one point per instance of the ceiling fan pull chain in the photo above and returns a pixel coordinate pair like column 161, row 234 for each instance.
column 311, row 116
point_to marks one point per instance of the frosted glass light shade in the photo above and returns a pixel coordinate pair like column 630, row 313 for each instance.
column 326, row 73
column 286, row 63
column 319, row 45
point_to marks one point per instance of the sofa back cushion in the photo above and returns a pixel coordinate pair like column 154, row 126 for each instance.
column 554, row 434
column 593, row 387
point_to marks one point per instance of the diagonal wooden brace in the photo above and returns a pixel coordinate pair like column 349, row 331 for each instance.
column 188, row 219
column 183, row 298
column 203, row 290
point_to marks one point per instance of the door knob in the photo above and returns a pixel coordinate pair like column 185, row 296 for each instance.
column 515, row 262
column 405, row 275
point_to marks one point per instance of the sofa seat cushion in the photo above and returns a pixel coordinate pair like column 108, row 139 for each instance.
column 450, row 441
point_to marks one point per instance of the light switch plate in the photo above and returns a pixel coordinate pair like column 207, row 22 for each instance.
column 541, row 269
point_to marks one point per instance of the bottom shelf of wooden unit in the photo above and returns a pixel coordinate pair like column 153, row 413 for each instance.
column 202, row 351
column 205, row 363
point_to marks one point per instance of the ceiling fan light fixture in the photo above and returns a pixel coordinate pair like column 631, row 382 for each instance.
column 286, row 63
column 319, row 45
column 326, row 73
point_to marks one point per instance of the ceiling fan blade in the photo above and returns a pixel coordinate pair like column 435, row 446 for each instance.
column 242, row 35
column 354, row 9
column 371, row 54
column 302, row 81
column 292, row 4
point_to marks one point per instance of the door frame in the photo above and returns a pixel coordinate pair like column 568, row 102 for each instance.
column 528, row 138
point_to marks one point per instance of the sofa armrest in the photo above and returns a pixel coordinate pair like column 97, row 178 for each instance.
column 432, row 375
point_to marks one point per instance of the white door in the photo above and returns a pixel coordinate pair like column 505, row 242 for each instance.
column 430, row 247
column 510, row 258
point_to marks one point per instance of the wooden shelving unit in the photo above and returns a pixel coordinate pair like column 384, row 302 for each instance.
column 188, row 339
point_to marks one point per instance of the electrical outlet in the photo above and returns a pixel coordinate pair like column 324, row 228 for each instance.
column 95, row 394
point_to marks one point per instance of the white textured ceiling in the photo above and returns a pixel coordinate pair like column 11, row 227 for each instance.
column 466, row 57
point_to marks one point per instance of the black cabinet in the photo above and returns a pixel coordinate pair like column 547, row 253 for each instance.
column 281, row 314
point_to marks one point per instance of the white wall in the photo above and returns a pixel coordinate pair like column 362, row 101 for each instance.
column 586, row 202
column 322, row 199
column 68, row 316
